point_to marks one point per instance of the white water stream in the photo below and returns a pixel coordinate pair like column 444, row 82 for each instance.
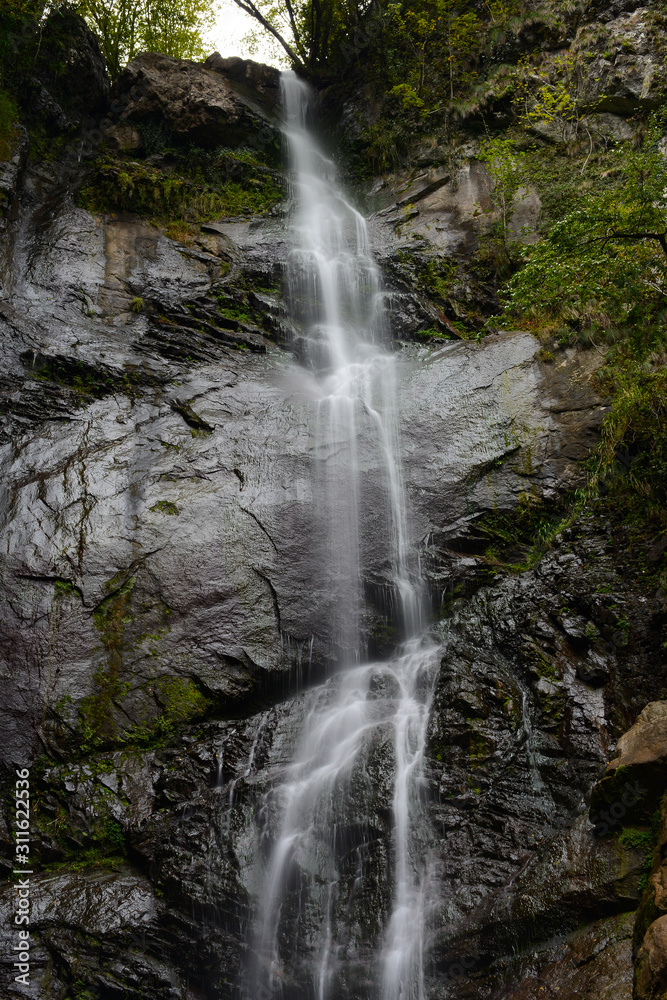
column 368, row 710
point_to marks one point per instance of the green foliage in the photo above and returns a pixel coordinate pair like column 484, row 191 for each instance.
column 551, row 96
column 113, row 836
column 166, row 507
column 196, row 188
column 137, row 304
column 633, row 451
column 437, row 33
column 506, row 166
column 602, row 269
column 127, row 27
column 312, row 33
column 635, row 838
column 18, row 25
column 517, row 540
column 600, row 276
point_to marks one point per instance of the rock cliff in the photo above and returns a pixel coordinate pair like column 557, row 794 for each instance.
column 162, row 602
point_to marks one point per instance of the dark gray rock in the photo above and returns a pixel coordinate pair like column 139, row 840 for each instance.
column 255, row 81
column 70, row 65
column 11, row 170
column 626, row 72
column 193, row 103
column 163, row 595
column 517, row 739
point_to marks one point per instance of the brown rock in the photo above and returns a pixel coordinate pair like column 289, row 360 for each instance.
column 124, row 138
column 646, row 742
column 636, row 778
column 595, row 961
column 654, row 900
column 260, row 84
column 192, row 103
column 651, row 965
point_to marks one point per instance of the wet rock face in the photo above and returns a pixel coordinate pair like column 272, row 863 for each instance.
column 194, row 103
column 163, row 595
column 517, row 739
column 527, row 894
column 161, row 491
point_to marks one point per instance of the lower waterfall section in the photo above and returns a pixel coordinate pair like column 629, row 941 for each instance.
column 345, row 823
column 357, row 777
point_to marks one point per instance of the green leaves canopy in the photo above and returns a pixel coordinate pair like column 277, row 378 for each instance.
column 128, row 27
column 604, row 265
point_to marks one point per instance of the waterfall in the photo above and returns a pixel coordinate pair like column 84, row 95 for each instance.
column 360, row 759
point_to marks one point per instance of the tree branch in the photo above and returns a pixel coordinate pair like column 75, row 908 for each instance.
column 249, row 7
column 660, row 238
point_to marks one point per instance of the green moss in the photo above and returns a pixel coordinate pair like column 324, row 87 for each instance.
column 181, row 700
column 118, row 620
column 544, row 667
column 65, row 588
column 86, row 381
column 166, row 507
column 479, row 748
column 110, row 619
column 44, row 146
column 137, row 304
column 178, row 194
column 636, row 838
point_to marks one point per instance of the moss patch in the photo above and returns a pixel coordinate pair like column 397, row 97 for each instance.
column 182, row 191
column 83, row 380
column 166, row 507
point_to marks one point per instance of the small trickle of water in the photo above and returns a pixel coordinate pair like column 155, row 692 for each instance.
column 361, row 753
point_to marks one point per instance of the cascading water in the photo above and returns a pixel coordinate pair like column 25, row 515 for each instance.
column 364, row 732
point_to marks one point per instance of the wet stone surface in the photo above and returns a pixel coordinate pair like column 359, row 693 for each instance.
column 161, row 606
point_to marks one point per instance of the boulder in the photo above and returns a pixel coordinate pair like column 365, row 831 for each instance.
column 636, row 778
column 651, row 963
column 254, row 81
column 70, row 65
column 608, row 10
column 192, row 104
